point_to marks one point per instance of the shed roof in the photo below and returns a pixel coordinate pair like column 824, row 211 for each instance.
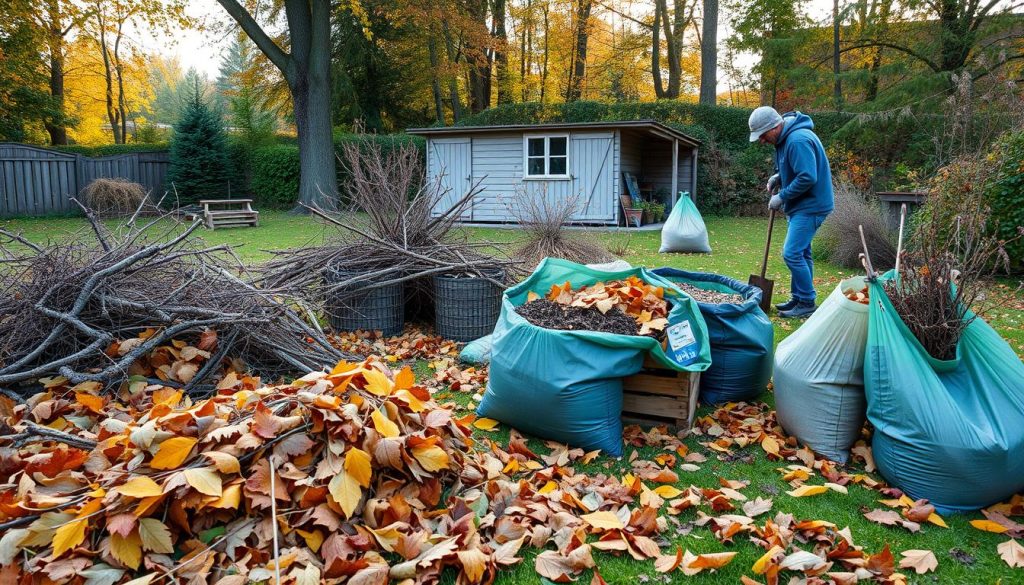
column 650, row 126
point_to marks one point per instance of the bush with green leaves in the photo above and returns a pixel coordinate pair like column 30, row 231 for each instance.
column 199, row 167
column 111, row 149
column 1005, row 194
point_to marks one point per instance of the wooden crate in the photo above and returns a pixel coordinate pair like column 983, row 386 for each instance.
column 659, row 395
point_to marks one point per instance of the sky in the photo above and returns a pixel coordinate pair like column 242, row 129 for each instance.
column 203, row 49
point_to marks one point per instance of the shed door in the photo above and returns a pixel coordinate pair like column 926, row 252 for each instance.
column 451, row 159
column 591, row 161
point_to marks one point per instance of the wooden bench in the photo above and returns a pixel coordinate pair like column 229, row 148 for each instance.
column 229, row 213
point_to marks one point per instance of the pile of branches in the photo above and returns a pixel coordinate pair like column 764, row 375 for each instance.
column 116, row 197
column 389, row 234
column 943, row 274
column 544, row 221
column 67, row 305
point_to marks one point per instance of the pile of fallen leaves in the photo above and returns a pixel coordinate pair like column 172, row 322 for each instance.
column 414, row 343
column 861, row 296
column 643, row 302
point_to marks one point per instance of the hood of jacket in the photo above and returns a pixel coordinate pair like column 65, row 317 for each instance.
column 794, row 121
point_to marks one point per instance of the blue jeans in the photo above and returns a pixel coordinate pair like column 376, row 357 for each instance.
column 797, row 254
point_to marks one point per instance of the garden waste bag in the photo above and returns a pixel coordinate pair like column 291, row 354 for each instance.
column 741, row 336
column 478, row 351
column 950, row 431
column 819, row 375
column 567, row 385
column 684, row 230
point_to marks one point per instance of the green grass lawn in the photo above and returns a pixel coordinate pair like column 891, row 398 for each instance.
column 737, row 244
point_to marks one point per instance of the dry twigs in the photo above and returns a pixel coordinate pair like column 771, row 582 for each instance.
column 544, row 218
column 68, row 305
column 390, row 235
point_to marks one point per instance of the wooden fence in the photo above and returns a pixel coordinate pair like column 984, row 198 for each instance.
column 38, row 181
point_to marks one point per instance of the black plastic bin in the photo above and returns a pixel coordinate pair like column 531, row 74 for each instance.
column 381, row 308
column 467, row 308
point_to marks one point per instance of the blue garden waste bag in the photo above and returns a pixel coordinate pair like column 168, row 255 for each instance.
column 741, row 336
column 950, row 431
column 478, row 351
column 567, row 385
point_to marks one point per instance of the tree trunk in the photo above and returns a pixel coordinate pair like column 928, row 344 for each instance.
column 525, row 45
column 579, row 70
column 659, row 88
column 547, row 46
column 453, row 84
column 122, row 107
column 871, row 93
column 501, row 54
column 435, row 82
column 709, row 54
column 108, row 78
column 837, row 90
column 479, row 60
column 55, row 37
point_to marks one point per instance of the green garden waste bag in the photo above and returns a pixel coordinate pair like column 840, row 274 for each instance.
column 684, row 230
column 567, row 385
column 950, row 431
column 741, row 337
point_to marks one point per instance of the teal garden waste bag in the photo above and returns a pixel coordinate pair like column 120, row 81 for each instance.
column 567, row 385
column 684, row 230
column 950, row 431
column 478, row 351
column 741, row 335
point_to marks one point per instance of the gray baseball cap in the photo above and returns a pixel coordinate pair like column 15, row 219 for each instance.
column 762, row 120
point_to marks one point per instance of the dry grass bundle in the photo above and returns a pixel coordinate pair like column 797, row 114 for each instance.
column 544, row 220
column 840, row 236
column 66, row 302
column 115, row 197
column 391, row 233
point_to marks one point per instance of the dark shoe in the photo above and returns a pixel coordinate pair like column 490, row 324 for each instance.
column 786, row 306
column 802, row 309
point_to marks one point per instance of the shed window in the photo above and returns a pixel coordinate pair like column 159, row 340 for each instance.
column 547, row 156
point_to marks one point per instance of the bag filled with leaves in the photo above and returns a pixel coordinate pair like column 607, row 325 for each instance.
column 566, row 385
column 819, row 375
column 684, row 230
column 946, row 430
column 741, row 336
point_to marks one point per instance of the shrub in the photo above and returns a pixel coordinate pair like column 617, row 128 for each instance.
column 275, row 176
column 1005, row 194
column 111, row 149
column 199, row 166
column 113, row 197
column 839, row 240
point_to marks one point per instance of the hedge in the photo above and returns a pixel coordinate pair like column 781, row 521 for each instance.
column 273, row 171
column 731, row 172
column 111, row 149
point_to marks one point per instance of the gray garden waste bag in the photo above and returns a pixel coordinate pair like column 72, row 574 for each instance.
column 819, row 375
column 567, row 385
column 741, row 335
column 684, row 230
column 951, row 431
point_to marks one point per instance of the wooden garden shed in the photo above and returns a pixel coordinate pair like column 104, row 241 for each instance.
column 585, row 160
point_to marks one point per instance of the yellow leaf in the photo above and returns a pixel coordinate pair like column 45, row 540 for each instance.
column 313, row 539
column 988, row 526
column 485, row 424
column 206, row 481
column 69, row 536
column 603, row 520
column 770, row 446
column 432, row 458
column 405, row 378
column 383, row 424
column 377, row 383
column 172, row 453
column 140, row 486
column 346, row 492
column 229, row 499
column 143, row 580
column 415, row 404
column 550, row 486
column 155, row 536
column 127, row 549
column 224, row 462
column 342, row 367
column 937, row 520
column 761, row 565
column 532, row 296
column 808, row 490
column 357, row 464
column 534, row 465
column 667, row 491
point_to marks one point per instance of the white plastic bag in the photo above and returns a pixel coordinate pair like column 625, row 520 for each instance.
column 684, row 230
column 819, row 375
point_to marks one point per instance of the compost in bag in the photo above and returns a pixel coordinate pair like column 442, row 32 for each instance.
column 741, row 335
column 946, row 430
column 684, row 230
column 819, row 375
column 567, row 385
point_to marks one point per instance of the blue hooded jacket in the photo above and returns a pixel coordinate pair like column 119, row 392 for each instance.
column 803, row 168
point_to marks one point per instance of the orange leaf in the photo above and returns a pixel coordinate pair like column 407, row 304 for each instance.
column 988, row 526
column 405, row 379
column 712, row 560
column 357, row 464
column 140, row 486
column 172, row 453
column 90, row 401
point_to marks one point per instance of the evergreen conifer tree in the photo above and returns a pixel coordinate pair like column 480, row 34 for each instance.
column 199, row 166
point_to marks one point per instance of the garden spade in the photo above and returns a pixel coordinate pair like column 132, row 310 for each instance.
column 766, row 285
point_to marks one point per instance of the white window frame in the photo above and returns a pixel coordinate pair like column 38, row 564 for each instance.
column 547, row 158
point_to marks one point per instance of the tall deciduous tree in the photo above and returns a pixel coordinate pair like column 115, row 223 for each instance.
column 578, row 72
column 307, row 70
column 709, row 53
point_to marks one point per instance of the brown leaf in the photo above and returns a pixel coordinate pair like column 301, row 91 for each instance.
column 921, row 561
column 757, row 507
column 919, row 512
column 882, row 563
column 669, row 563
column 553, row 566
column 1012, row 553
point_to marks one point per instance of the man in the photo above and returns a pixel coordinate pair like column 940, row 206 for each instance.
column 804, row 184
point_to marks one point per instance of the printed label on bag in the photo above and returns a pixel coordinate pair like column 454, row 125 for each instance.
column 682, row 342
